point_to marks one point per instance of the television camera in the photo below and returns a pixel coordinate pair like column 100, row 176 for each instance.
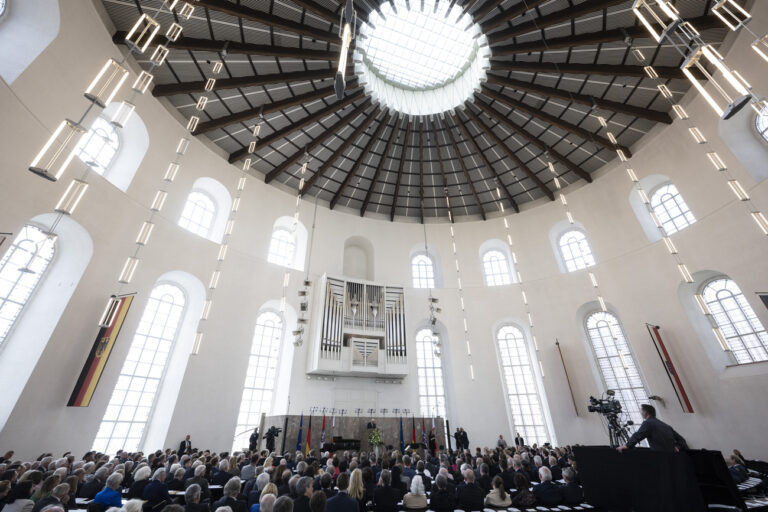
column 610, row 408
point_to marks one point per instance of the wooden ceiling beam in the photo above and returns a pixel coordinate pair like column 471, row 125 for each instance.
column 327, row 133
column 442, row 172
column 421, row 170
column 448, row 130
column 554, row 18
column 238, row 48
column 268, row 108
column 270, row 20
column 553, row 120
column 244, row 81
column 263, row 142
column 341, row 149
column 384, row 122
column 516, row 128
column 506, row 15
column 473, row 142
column 593, row 38
column 395, row 129
column 511, row 154
column 666, row 72
column 318, row 9
column 583, row 99
column 400, row 167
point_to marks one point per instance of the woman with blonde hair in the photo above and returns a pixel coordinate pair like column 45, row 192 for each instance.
column 270, row 488
column 417, row 498
column 356, row 489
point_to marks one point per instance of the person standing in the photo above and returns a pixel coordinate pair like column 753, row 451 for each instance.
column 185, row 447
column 459, row 440
column 464, row 438
column 661, row 437
column 253, row 441
column 519, row 441
column 501, row 443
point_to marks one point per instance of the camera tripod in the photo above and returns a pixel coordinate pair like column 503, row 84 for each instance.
column 617, row 433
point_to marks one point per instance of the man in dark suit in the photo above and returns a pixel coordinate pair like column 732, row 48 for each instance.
column 192, row 500
column 661, row 437
column 519, row 441
column 342, row 502
column 90, row 489
column 386, row 497
column 304, row 491
column 253, row 441
column 547, row 493
column 156, row 492
column 469, row 495
column 442, row 499
column 200, row 480
column 572, row 493
column 465, row 439
column 185, row 447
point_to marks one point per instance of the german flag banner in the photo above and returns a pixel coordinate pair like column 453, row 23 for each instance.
column 97, row 359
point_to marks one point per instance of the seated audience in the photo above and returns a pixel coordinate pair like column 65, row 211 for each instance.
column 45, row 490
column 231, row 492
column 369, row 483
column 356, row 489
column 255, row 495
column 557, row 473
column 342, row 501
column 199, row 479
column 96, row 484
column 132, row 506
column 547, row 493
column 140, row 481
column 417, row 498
column 738, row 471
column 59, row 496
column 524, row 497
column 19, row 498
column 192, row 500
column 317, row 502
column 283, row 504
column 156, row 492
column 572, row 493
column 326, row 483
column 110, row 495
column 442, row 498
column 498, row 497
column 386, row 497
column 469, row 495
column 177, row 484
column 223, row 475
column 265, row 504
column 304, row 492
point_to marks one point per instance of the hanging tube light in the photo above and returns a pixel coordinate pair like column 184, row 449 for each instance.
column 658, row 16
column 349, row 18
column 58, row 151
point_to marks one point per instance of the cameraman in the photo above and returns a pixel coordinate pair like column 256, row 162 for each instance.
column 661, row 437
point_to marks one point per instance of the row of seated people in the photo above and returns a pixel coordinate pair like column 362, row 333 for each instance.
column 394, row 483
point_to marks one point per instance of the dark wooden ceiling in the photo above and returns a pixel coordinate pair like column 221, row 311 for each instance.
column 556, row 65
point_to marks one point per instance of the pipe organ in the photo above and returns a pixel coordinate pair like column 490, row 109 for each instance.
column 359, row 329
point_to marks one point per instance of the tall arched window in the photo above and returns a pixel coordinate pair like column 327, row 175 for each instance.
column 525, row 403
column 496, row 269
column 743, row 331
column 422, row 271
column 198, row 214
column 260, row 377
column 575, row 250
column 761, row 123
column 21, row 269
column 670, row 208
column 130, row 406
column 429, row 369
column 99, row 146
column 282, row 248
column 616, row 363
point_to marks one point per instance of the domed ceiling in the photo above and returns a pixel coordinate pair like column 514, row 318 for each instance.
column 467, row 98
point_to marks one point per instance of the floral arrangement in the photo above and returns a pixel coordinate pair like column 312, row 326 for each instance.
column 374, row 437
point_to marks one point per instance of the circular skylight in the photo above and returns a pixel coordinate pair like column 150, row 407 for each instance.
column 421, row 56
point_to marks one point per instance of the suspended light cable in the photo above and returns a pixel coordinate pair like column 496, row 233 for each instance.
column 465, row 326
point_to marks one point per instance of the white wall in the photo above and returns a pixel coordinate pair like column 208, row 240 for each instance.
column 637, row 277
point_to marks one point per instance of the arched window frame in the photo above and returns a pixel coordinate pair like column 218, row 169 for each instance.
column 430, row 374
column 101, row 137
column 732, row 322
column 299, row 233
column 670, row 208
column 422, row 271
column 197, row 217
column 218, row 194
column 496, row 268
column 614, row 361
column 131, row 401
column 761, row 124
column 576, row 260
column 510, row 366
column 282, row 247
column 38, row 262
column 248, row 418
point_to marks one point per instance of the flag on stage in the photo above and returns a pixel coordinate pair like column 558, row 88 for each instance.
column 413, row 430
column 322, row 434
column 301, row 428
column 402, row 440
column 309, row 436
column 424, row 434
